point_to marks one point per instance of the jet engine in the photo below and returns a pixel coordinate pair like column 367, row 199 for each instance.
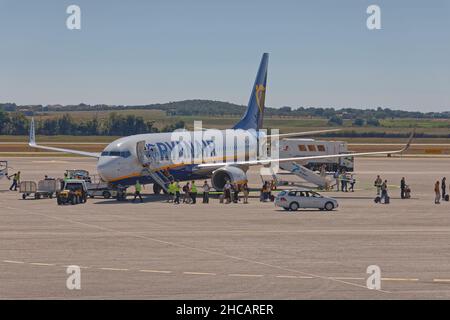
column 221, row 176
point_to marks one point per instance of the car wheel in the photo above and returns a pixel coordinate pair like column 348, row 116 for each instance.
column 329, row 206
column 24, row 196
column 294, row 206
column 106, row 194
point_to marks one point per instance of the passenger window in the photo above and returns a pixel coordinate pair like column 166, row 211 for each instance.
column 321, row 148
column 311, row 147
column 301, row 194
column 301, row 147
column 292, row 193
column 306, row 194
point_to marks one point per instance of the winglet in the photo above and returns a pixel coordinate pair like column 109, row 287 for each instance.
column 408, row 143
column 32, row 140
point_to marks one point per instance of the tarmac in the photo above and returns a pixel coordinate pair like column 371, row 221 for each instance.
column 158, row 250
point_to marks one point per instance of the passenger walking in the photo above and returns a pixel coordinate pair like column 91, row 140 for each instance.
column 177, row 192
column 16, row 181
column 378, row 182
column 193, row 192
column 264, row 192
column 236, row 188
column 384, row 192
column 352, row 183
column 186, row 195
column 137, row 191
column 403, row 188
column 336, row 176
column 227, row 192
column 344, row 182
column 245, row 192
column 437, row 192
column 206, row 189
column 444, row 188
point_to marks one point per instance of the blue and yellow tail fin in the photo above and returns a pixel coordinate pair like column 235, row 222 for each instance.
column 253, row 117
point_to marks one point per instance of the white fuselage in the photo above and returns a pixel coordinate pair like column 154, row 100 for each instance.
column 119, row 162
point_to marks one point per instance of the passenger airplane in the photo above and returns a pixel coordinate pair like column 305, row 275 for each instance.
column 145, row 157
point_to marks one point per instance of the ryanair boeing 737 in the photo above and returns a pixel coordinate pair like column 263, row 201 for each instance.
column 149, row 158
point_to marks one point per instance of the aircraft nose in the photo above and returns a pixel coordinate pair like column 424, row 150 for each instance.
column 105, row 168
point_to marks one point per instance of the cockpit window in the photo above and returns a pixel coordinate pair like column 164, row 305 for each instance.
column 122, row 154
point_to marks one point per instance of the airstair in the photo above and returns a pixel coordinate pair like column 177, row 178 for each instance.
column 321, row 180
column 149, row 166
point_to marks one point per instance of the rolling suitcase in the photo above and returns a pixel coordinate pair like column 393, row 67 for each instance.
column 387, row 200
column 377, row 199
column 447, row 197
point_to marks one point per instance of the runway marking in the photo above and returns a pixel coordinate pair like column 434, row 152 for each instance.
column 155, row 271
column 441, row 280
column 239, row 275
column 12, row 261
column 399, row 279
column 205, row 251
column 42, row 264
column 347, row 278
column 49, row 161
column 114, row 269
column 81, row 267
column 200, row 273
column 294, row 277
column 245, row 275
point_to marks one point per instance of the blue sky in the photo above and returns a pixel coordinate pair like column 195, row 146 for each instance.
column 139, row 52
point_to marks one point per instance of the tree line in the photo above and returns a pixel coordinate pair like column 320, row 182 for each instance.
column 16, row 123
column 220, row 108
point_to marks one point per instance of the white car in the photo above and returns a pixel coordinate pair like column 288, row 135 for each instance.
column 303, row 198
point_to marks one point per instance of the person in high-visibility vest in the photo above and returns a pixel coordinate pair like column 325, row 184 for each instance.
column 16, row 181
column 193, row 192
column 137, row 192
column 171, row 190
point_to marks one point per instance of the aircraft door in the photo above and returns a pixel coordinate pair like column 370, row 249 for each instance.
column 140, row 152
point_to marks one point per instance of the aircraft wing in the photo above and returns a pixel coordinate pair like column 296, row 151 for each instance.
column 299, row 134
column 32, row 143
column 268, row 161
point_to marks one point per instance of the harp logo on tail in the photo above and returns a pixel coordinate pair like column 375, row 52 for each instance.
column 260, row 93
